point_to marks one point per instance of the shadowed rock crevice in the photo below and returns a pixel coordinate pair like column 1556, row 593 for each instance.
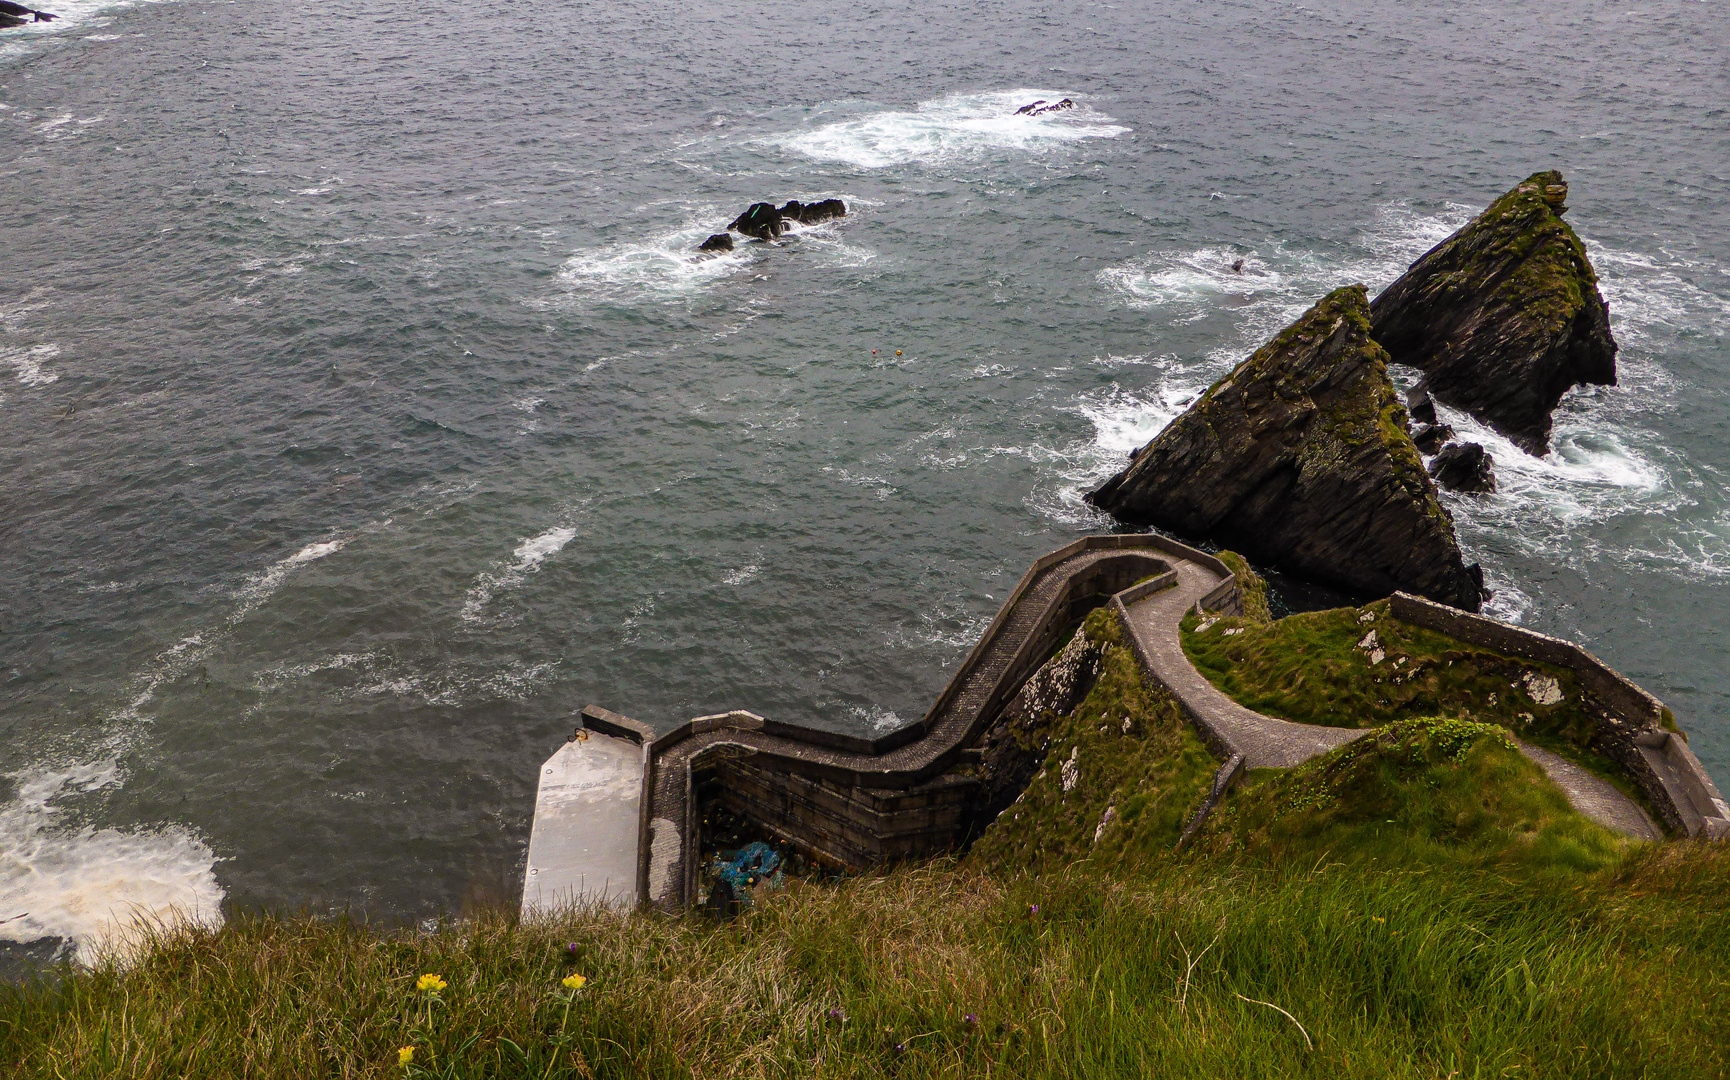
column 1301, row 458
column 1504, row 316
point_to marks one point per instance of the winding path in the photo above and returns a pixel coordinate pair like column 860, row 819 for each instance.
column 1267, row 742
column 631, row 799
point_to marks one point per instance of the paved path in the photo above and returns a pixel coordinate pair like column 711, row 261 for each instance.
column 1266, row 742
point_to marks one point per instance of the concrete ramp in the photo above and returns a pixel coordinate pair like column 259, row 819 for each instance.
column 584, row 845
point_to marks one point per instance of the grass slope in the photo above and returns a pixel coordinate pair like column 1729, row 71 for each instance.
column 1417, row 792
column 1419, row 974
column 1314, row 668
column 1417, row 905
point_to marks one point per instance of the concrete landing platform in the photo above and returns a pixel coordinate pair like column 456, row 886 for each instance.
column 584, row 845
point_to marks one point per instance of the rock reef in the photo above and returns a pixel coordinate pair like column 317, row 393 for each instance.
column 1301, row 458
column 1504, row 316
column 17, row 15
column 766, row 221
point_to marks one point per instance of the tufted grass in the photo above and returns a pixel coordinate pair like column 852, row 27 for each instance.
column 1480, row 928
column 1161, row 971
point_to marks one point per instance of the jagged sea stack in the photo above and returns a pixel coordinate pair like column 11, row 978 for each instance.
column 1505, row 315
column 1300, row 458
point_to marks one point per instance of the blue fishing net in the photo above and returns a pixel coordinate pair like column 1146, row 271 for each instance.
column 750, row 865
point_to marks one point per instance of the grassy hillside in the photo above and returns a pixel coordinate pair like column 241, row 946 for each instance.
column 1419, row 904
column 1324, row 667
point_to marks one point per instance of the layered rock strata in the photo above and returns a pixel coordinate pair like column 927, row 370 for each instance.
column 1504, row 316
column 1301, row 458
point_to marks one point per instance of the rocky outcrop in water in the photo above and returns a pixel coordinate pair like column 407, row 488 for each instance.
column 1464, row 467
column 1300, row 458
column 766, row 221
column 1428, row 438
column 718, row 242
column 17, row 14
column 812, row 213
column 761, row 221
column 1504, row 316
column 1038, row 107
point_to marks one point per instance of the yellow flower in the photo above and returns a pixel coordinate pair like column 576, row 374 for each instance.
column 574, row 982
column 1378, row 918
column 405, row 1055
column 431, row 983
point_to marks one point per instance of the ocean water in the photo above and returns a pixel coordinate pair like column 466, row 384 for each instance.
column 366, row 413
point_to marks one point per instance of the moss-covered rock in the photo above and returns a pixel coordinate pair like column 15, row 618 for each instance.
column 1504, row 316
column 1301, row 458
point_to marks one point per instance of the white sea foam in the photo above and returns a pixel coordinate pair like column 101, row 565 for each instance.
column 525, row 560
column 877, row 718
column 742, row 574
column 958, row 127
column 94, row 886
column 26, row 363
column 666, row 266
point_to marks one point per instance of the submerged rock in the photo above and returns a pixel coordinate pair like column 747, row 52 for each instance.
column 765, row 222
column 719, row 242
column 1504, row 316
column 1464, row 467
column 812, row 213
column 1300, row 458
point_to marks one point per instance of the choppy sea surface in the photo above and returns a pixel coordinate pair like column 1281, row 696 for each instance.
column 365, row 413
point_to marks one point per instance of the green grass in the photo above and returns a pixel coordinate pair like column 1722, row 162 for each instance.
column 1422, row 903
column 1310, row 668
column 1133, row 754
column 1416, row 973
column 1424, row 792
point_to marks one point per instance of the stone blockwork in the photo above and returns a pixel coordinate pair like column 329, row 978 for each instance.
column 858, row 803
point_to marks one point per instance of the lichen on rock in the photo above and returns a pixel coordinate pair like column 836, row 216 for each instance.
column 1301, row 458
column 1504, row 316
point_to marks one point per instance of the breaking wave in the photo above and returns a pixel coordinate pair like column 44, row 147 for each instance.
column 958, row 127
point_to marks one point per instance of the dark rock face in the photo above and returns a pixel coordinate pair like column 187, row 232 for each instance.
column 1300, row 458
column 719, row 242
column 762, row 221
column 1464, row 467
column 14, row 14
column 1428, row 438
column 1505, row 315
column 1419, row 405
column 812, row 213
column 1037, row 107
